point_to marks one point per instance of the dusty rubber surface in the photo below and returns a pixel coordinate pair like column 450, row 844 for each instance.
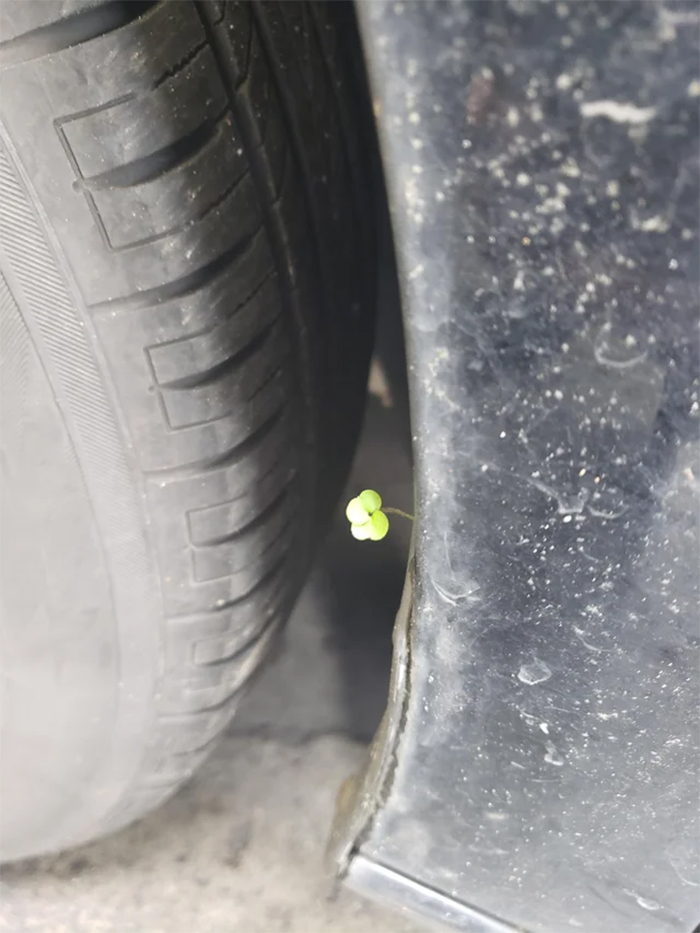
column 187, row 292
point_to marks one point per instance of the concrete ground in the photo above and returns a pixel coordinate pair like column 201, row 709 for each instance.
column 240, row 848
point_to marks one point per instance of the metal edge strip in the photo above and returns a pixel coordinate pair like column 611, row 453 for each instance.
column 383, row 884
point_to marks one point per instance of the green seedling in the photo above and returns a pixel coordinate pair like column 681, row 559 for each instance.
column 368, row 519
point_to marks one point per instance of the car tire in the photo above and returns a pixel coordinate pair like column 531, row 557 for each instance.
column 186, row 307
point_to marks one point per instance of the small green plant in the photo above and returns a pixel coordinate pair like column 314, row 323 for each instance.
column 367, row 517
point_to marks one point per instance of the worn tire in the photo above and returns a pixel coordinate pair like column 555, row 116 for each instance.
column 185, row 305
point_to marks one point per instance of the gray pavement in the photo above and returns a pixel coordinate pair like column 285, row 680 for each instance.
column 240, row 848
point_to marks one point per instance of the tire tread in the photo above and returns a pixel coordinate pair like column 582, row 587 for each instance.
column 228, row 424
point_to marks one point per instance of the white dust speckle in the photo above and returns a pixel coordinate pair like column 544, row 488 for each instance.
column 552, row 756
column 617, row 112
column 570, row 168
column 648, row 904
column 564, row 82
column 656, row 224
column 551, row 206
column 534, row 673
